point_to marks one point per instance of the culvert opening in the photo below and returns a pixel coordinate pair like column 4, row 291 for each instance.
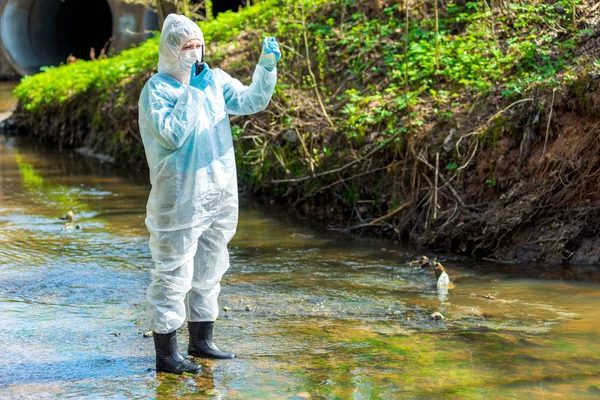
column 224, row 5
column 38, row 33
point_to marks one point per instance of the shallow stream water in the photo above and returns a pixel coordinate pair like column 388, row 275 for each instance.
column 311, row 313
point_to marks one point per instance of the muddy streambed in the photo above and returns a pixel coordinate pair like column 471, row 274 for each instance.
column 311, row 314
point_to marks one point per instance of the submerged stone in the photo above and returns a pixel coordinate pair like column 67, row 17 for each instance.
column 437, row 316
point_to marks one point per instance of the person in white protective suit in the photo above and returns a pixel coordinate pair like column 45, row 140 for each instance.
column 192, row 209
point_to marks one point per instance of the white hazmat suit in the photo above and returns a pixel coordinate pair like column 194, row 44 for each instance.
column 192, row 209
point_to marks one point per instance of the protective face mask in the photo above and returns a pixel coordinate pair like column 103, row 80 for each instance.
column 187, row 58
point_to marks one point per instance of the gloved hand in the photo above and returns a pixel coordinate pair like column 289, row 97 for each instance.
column 270, row 54
column 203, row 79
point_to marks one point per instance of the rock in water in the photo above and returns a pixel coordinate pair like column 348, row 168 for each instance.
column 437, row 316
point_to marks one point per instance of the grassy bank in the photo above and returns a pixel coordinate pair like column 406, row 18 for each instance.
column 430, row 121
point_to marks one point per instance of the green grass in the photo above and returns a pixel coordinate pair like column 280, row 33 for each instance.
column 58, row 84
column 390, row 86
column 475, row 58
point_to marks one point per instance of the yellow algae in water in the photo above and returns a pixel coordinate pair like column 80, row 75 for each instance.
column 44, row 192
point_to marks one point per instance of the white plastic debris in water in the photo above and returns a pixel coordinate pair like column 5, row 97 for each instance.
column 443, row 280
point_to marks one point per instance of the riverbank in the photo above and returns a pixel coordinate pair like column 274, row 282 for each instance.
column 480, row 139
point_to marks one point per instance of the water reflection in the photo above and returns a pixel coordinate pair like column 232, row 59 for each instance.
column 442, row 294
column 201, row 385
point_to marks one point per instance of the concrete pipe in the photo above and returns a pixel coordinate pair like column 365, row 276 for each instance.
column 36, row 33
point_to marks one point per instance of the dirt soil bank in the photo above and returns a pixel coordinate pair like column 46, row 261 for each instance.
column 530, row 192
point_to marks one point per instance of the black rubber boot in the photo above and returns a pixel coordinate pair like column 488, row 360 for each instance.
column 201, row 341
column 168, row 358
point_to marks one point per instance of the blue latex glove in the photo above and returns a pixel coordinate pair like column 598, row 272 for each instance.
column 271, row 54
column 202, row 80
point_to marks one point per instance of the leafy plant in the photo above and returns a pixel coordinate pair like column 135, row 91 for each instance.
column 376, row 82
